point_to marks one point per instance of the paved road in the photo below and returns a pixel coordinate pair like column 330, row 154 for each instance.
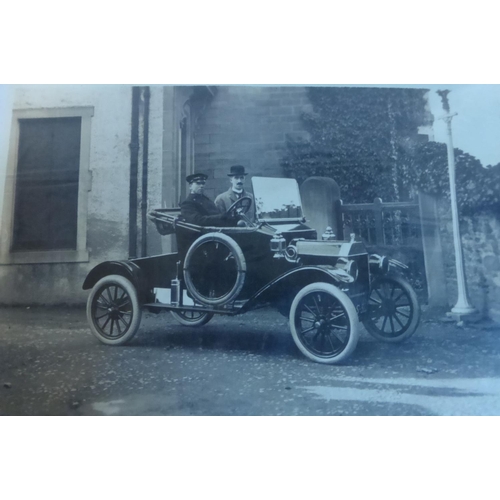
column 50, row 364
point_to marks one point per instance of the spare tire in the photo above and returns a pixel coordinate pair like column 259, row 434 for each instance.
column 214, row 269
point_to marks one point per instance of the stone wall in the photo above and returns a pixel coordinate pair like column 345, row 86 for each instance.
column 108, row 197
column 481, row 250
column 107, row 217
column 247, row 125
column 6, row 100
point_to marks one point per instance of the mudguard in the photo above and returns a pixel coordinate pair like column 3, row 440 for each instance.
column 123, row 268
column 287, row 285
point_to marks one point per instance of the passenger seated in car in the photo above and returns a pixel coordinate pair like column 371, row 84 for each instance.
column 236, row 191
column 199, row 209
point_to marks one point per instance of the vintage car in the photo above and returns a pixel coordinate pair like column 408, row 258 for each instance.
column 271, row 258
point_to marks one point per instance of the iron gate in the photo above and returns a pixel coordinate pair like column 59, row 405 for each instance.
column 392, row 229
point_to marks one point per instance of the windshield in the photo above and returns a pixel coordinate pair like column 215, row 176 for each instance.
column 276, row 198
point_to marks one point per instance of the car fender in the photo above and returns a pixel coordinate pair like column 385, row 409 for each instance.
column 123, row 268
column 289, row 283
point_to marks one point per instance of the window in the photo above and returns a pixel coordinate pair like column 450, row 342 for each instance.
column 46, row 200
column 46, row 195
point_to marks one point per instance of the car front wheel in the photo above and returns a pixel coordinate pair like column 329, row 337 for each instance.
column 113, row 310
column 324, row 323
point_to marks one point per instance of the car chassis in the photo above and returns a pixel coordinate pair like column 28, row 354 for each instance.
column 324, row 286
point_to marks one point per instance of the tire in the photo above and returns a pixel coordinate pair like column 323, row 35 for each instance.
column 214, row 269
column 393, row 310
column 113, row 306
column 324, row 323
column 192, row 318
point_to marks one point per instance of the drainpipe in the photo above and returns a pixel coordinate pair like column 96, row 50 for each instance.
column 134, row 163
column 145, row 149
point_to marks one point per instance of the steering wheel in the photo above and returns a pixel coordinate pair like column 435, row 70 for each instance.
column 241, row 206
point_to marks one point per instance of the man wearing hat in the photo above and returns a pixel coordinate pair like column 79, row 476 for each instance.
column 200, row 210
column 236, row 176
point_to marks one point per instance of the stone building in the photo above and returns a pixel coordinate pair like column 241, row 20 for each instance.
column 84, row 164
column 81, row 165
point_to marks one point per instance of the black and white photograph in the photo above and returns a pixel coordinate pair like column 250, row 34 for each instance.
column 249, row 250
column 242, row 237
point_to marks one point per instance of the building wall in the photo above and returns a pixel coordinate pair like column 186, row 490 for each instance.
column 107, row 213
column 108, row 198
column 153, row 169
column 247, row 125
column 157, row 122
column 480, row 236
column 173, row 102
column 6, row 98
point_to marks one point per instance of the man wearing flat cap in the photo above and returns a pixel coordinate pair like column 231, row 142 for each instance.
column 200, row 210
column 236, row 176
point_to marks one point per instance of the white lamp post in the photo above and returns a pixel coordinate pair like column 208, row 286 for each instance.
column 463, row 306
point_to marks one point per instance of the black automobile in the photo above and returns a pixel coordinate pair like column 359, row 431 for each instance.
column 323, row 285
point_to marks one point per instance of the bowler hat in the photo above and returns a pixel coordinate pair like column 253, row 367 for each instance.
column 237, row 170
column 196, row 177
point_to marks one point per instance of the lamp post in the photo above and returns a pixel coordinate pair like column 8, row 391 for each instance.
column 463, row 306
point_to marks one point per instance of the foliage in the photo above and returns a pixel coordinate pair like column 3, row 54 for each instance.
column 367, row 140
column 361, row 137
column 478, row 188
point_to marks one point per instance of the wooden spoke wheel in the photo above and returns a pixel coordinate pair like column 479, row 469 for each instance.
column 393, row 310
column 192, row 318
column 113, row 310
column 324, row 323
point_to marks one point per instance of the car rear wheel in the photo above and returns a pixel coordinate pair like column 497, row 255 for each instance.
column 324, row 323
column 113, row 310
column 393, row 310
column 192, row 318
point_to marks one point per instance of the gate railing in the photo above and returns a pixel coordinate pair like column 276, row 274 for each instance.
column 392, row 229
column 383, row 224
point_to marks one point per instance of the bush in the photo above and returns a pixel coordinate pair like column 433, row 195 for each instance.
column 367, row 140
column 478, row 188
column 361, row 138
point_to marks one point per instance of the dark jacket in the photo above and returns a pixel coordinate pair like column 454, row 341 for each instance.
column 200, row 210
column 227, row 198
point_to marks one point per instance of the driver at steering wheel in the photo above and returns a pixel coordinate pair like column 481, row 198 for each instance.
column 236, row 176
column 199, row 209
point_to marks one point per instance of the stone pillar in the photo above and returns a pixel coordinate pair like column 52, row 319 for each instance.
column 433, row 253
column 170, row 168
column 155, row 166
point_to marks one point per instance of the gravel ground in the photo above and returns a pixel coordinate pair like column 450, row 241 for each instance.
column 50, row 364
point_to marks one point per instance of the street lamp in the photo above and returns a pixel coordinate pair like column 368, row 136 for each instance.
column 463, row 306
